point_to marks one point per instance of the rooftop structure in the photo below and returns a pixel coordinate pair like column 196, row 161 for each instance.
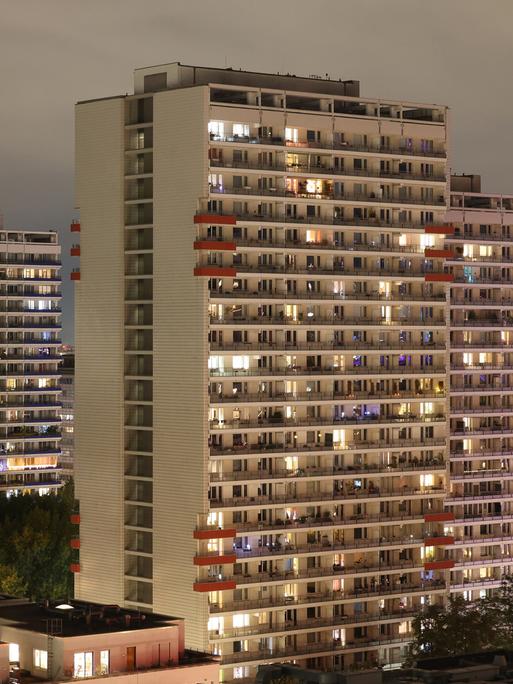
column 61, row 642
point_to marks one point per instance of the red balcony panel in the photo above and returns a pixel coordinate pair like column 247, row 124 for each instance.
column 216, row 246
column 75, row 275
column 438, row 541
column 438, row 253
column 439, row 565
column 439, row 277
column 74, row 567
column 215, row 560
column 439, row 517
column 215, row 219
column 74, row 543
column 439, row 230
column 75, row 226
column 75, row 251
column 74, row 518
column 215, row 271
column 213, row 586
column 214, row 534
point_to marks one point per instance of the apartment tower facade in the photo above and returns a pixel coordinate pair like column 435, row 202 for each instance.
column 264, row 444
column 30, row 333
column 481, row 388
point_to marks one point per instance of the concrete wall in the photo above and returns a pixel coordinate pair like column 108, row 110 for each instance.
column 99, row 349
column 180, row 381
column 194, row 674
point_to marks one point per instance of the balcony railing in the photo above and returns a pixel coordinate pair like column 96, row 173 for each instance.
column 483, row 323
column 299, row 371
column 332, row 346
column 480, row 367
column 485, row 303
column 402, row 273
column 299, row 498
column 264, row 398
column 325, row 522
column 356, row 198
column 371, row 222
column 271, row 423
column 323, row 296
column 309, row 448
column 481, row 431
column 484, row 474
column 324, row 245
column 401, row 151
column 485, row 453
column 482, row 539
column 482, row 410
column 312, row 471
column 312, row 623
column 330, row 171
column 333, row 321
column 324, row 597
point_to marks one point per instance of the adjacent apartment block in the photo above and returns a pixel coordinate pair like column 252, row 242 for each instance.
column 30, row 302
column 481, row 386
column 273, row 440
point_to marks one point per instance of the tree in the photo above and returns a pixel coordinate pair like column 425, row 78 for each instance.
column 464, row 627
column 500, row 604
column 35, row 553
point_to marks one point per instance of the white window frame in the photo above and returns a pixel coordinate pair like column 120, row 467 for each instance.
column 41, row 659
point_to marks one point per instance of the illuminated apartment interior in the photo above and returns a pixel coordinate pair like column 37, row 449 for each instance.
column 30, row 301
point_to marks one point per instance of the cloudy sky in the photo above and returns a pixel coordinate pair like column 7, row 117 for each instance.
column 55, row 52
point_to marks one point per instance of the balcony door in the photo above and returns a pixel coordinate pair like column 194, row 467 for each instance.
column 130, row 659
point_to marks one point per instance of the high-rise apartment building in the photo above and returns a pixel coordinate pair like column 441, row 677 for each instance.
column 263, row 364
column 30, row 301
column 481, row 386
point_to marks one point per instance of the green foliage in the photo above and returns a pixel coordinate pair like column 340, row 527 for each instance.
column 463, row 627
column 35, row 553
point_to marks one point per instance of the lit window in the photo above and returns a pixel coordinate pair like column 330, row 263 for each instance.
column 427, row 480
column 241, row 620
column 104, row 662
column 404, row 627
column 83, row 664
column 216, row 129
column 14, row 653
column 215, row 624
column 427, row 553
column 41, row 659
column 241, row 130
column 291, row 135
column 314, row 186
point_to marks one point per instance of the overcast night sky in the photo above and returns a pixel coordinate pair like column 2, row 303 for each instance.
column 55, row 52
